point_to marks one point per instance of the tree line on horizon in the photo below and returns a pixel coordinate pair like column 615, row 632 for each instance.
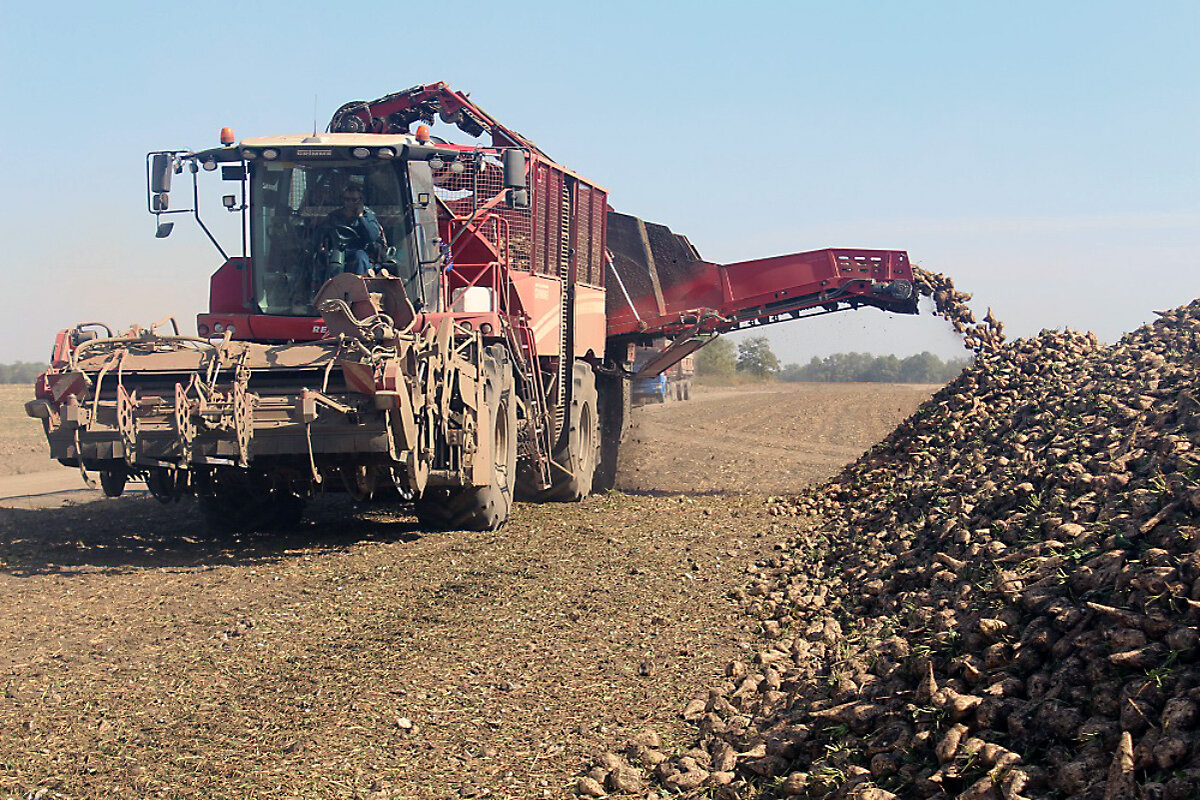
column 753, row 358
column 21, row 371
column 923, row 367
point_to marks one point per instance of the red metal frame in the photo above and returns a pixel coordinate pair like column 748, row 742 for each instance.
column 719, row 297
column 424, row 102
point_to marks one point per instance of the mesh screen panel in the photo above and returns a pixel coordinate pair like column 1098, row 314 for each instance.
column 539, row 235
column 479, row 187
column 589, row 234
column 596, row 252
column 583, row 233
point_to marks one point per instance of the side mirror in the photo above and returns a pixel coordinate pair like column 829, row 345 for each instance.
column 160, row 202
column 518, row 198
column 514, row 169
column 161, row 167
column 229, row 201
column 164, row 230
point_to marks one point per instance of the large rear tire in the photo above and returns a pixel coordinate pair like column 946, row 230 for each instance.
column 579, row 450
column 615, row 404
column 483, row 508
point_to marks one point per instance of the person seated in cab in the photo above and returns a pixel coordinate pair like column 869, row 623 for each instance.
column 352, row 235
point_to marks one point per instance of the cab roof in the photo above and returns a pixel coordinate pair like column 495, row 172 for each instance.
column 396, row 140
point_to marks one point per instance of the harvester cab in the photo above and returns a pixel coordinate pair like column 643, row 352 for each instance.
column 299, row 231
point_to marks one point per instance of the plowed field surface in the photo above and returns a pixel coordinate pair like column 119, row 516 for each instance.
column 359, row 655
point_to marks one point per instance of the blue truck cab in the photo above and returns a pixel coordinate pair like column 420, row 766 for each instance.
column 650, row 390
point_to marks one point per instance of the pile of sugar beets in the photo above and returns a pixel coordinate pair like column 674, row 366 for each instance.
column 1000, row 600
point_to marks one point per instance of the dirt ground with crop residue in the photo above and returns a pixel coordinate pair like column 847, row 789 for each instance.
column 359, row 656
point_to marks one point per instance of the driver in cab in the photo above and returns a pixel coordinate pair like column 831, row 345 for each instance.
column 355, row 232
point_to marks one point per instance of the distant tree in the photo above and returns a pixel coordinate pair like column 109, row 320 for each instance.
column 856, row 366
column 796, row 373
column 863, row 367
column 20, row 372
column 716, row 359
column 924, row 367
column 885, row 369
column 755, row 357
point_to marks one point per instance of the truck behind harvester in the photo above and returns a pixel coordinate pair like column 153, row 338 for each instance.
column 479, row 347
column 673, row 383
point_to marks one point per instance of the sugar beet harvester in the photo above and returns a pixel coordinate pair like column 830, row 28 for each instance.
column 484, row 352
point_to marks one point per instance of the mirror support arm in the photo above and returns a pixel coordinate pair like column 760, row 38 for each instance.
column 200, row 222
column 244, row 206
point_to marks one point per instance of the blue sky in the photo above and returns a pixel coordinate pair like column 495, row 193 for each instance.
column 1045, row 155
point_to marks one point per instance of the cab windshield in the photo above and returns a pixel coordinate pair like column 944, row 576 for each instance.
column 305, row 228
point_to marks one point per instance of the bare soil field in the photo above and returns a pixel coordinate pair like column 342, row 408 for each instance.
column 359, row 656
column 766, row 439
column 22, row 444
